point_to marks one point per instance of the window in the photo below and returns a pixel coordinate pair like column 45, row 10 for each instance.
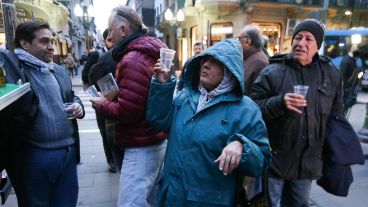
column 194, row 36
column 273, row 32
column 220, row 31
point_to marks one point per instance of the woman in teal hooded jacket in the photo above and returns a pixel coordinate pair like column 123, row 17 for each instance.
column 215, row 133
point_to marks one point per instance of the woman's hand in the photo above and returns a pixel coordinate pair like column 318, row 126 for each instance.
column 97, row 102
column 161, row 76
column 230, row 157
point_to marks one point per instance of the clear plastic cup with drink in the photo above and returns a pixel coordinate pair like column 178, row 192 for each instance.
column 166, row 58
column 69, row 109
column 301, row 89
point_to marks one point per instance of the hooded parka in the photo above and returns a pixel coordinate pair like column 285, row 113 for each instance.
column 196, row 138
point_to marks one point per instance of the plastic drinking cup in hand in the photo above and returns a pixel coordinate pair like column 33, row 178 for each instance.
column 166, row 57
column 69, row 110
column 301, row 89
column 92, row 91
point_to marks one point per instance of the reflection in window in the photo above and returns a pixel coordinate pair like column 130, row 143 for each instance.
column 220, row 31
column 194, row 36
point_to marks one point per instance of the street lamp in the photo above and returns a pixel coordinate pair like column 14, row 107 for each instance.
column 350, row 14
column 169, row 16
column 85, row 12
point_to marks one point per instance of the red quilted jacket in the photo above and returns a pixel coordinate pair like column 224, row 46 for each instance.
column 133, row 75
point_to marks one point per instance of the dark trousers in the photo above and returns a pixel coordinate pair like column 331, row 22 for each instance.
column 117, row 153
column 76, row 70
column 50, row 177
column 71, row 72
column 106, row 144
column 289, row 193
column 13, row 168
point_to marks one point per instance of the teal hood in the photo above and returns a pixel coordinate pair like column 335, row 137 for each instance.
column 227, row 51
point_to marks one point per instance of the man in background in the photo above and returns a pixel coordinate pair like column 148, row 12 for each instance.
column 105, row 65
column 254, row 59
column 92, row 59
column 197, row 49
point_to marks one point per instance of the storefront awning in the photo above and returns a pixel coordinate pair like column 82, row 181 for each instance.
column 65, row 39
column 28, row 12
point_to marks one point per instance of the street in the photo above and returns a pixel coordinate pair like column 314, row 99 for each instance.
column 99, row 188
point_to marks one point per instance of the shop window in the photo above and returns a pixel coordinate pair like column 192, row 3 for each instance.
column 273, row 32
column 220, row 31
column 194, row 36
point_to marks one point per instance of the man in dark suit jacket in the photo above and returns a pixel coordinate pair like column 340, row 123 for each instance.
column 93, row 57
column 99, row 63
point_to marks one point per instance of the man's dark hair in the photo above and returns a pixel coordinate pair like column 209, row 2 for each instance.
column 198, row 44
column 26, row 31
column 105, row 34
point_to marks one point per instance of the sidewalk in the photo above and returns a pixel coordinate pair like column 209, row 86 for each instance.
column 358, row 191
column 77, row 80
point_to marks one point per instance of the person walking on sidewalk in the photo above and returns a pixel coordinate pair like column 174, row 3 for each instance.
column 50, row 152
column 296, row 124
column 254, row 59
column 70, row 64
column 216, row 133
column 136, row 54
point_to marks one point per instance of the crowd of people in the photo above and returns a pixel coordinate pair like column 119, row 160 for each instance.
column 233, row 120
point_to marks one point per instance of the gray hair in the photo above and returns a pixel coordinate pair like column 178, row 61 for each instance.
column 127, row 15
column 254, row 35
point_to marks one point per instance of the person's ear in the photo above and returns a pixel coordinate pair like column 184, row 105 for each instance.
column 124, row 30
column 25, row 44
column 248, row 42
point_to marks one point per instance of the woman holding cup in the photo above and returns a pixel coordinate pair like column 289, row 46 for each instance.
column 215, row 133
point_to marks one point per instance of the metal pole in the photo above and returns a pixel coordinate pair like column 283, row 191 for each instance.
column 9, row 22
column 351, row 15
column 325, row 11
column 85, row 20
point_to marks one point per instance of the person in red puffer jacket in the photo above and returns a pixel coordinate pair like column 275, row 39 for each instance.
column 144, row 147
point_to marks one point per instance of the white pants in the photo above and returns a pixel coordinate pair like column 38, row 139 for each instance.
column 139, row 173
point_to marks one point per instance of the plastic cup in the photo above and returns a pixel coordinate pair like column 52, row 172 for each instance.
column 92, row 91
column 69, row 110
column 166, row 57
column 301, row 89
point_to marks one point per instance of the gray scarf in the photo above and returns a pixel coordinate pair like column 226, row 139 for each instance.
column 227, row 84
column 31, row 60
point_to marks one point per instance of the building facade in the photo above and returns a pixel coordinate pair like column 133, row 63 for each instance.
column 146, row 9
column 82, row 28
column 209, row 21
column 70, row 32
